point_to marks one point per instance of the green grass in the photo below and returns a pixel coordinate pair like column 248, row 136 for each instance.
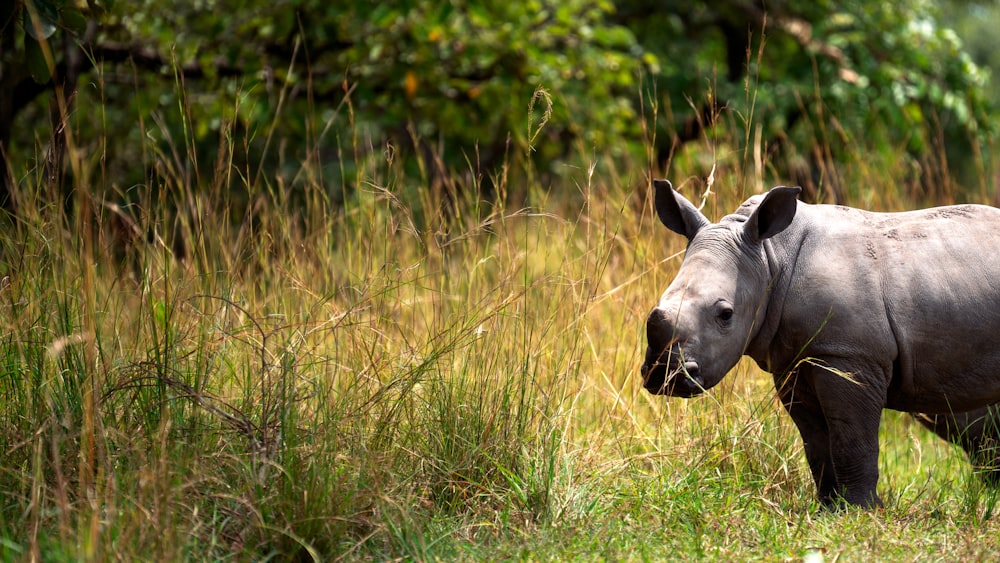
column 385, row 380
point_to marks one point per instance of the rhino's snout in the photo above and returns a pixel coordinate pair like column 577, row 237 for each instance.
column 665, row 371
column 681, row 380
column 659, row 353
column 659, row 330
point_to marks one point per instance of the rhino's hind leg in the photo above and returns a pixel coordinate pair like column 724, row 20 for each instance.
column 977, row 432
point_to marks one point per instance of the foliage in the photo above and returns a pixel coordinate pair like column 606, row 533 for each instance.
column 444, row 86
column 823, row 75
column 971, row 21
column 27, row 28
column 411, row 78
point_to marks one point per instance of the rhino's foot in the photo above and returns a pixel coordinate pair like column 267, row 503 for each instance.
column 840, row 502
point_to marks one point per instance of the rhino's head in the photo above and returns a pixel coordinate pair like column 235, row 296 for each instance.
column 715, row 305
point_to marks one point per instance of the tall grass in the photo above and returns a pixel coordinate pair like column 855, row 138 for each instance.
column 409, row 374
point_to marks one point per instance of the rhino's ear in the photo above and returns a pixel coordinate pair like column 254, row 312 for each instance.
column 774, row 213
column 676, row 212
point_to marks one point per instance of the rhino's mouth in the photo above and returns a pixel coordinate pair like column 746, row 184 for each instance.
column 682, row 379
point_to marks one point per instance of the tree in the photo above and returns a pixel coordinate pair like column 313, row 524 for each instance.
column 38, row 53
column 446, row 85
column 863, row 67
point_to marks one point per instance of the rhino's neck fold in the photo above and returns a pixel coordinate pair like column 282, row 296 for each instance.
column 780, row 262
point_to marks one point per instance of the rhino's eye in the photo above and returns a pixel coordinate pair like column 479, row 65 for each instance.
column 725, row 312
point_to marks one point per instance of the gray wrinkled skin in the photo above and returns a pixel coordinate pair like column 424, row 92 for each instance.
column 851, row 311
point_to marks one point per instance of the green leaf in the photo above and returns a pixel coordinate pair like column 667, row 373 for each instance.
column 40, row 19
column 35, row 59
column 160, row 314
column 74, row 20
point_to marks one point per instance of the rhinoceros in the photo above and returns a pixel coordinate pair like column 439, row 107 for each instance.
column 851, row 311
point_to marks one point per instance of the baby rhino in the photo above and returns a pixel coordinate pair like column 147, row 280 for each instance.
column 851, row 311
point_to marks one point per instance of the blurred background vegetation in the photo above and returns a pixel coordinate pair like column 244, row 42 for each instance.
column 470, row 94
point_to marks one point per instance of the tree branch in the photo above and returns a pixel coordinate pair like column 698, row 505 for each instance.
column 150, row 59
column 801, row 32
column 26, row 89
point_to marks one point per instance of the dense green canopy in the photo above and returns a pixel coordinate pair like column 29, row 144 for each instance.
column 459, row 87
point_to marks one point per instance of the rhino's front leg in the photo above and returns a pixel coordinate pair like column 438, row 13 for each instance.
column 838, row 420
column 852, row 401
column 977, row 432
column 800, row 402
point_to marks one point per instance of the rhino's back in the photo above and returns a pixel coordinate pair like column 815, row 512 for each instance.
column 917, row 292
